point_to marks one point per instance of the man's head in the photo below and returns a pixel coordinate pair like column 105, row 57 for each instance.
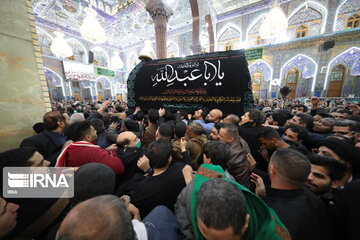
column 103, row 217
column 8, row 215
column 98, row 124
column 159, row 153
column 180, row 129
column 153, row 116
column 22, row 157
column 217, row 153
column 254, row 116
column 77, row 117
column 56, row 121
column 194, row 129
column 232, row 119
column 215, row 132
column 339, row 150
column 342, row 114
column 295, row 133
column 302, row 119
column 324, row 125
column 325, row 172
column 91, row 180
column 289, row 168
column 299, row 108
column 321, row 115
column 129, row 124
column 127, row 139
column 214, row 116
column 82, row 131
column 164, row 131
column 347, row 128
column 277, row 119
column 269, row 138
column 228, row 202
column 228, row 133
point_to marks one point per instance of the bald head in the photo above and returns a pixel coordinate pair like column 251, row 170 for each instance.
column 232, row 119
column 126, row 139
column 103, row 217
column 214, row 115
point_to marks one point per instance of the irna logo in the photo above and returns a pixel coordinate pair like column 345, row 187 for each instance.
column 37, row 180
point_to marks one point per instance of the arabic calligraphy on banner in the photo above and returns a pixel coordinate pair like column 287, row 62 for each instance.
column 215, row 80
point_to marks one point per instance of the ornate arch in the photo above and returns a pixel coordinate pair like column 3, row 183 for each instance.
column 263, row 67
column 173, row 48
column 253, row 30
column 106, row 85
column 350, row 58
column 343, row 12
column 228, row 33
column 306, row 66
column 101, row 55
column 310, row 13
column 46, row 40
column 55, row 79
column 75, row 45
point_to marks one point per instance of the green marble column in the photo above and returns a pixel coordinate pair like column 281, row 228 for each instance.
column 24, row 96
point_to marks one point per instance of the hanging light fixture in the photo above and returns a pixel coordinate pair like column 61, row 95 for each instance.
column 60, row 47
column 275, row 23
column 116, row 62
column 145, row 53
column 91, row 29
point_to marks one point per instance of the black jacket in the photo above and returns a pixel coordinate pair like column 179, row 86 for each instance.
column 47, row 144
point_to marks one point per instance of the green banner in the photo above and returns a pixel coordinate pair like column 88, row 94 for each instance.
column 254, row 54
column 105, row 72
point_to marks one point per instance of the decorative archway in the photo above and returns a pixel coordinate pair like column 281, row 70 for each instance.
column 172, row 49
column 350, row 60
column 229, row 35
column 311, row 13
column 56, row 84
column 80, row 53
column 106, row 91
column 345, row 10
column 101, row 58
column 252, row 33
column 307, row 68
column 45, row 40
column 266, row 71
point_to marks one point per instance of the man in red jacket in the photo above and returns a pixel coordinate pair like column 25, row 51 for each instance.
column 83, row 151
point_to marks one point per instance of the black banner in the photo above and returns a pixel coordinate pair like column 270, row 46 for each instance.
column 215, row 80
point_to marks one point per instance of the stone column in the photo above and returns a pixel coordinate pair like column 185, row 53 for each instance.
column 333, row 5
column 195, row 45
column 24, row 94
column 160, row 14
column 210, row 28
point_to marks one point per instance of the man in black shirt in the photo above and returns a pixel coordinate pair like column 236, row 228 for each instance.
column 301, row 211
column 164, row 185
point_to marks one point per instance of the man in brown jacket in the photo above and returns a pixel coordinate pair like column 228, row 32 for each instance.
column 238, row 164
column 149, row 134
column 196, row 140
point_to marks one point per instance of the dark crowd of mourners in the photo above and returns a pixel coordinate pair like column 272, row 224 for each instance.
column 283, row 170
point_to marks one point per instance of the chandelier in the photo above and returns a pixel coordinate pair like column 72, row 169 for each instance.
column 275, row 23
column 116, row 62
column 91, row 29
column 60, row 47
column 147, row 51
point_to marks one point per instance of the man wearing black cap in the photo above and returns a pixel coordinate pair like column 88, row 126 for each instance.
column 344, row 152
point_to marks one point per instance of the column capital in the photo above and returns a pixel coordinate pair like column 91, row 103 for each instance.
column 159, row 10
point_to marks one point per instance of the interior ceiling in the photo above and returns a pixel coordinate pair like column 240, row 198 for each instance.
column 126, row 22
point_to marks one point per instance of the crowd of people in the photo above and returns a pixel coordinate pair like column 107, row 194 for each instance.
column 283, row 170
